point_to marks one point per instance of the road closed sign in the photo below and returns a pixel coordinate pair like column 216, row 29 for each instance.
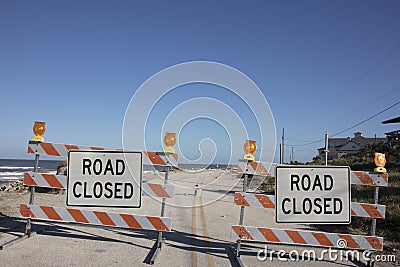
column 315, row 195
column 104, row 179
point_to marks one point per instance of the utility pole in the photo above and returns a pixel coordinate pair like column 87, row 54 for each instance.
column 292, row 156
column 326, row 148
column 283, row 146
column 280, row 153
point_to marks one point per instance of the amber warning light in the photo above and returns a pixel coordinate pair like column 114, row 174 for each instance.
column 380, row 161
column 169, row 141
column 39, row 128
column 249, row 148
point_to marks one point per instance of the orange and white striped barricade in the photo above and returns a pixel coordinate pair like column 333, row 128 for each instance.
column 99, row 218
column 365, row 210
column 95, row 218
column 61, row 150
column 158, row 190
column 307, row 238
column 60, row 182
column 256, row 168
column 369, row 178
column 160, row 224
column 268, row 169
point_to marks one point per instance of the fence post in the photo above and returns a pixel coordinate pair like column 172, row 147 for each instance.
column 373, row 224
column 238, row 245
column 28, row 229
column 159, row 242
column 163, row 206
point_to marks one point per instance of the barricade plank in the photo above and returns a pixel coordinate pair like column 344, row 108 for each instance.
column 268, row 202
column 158, row 190
column 256, row 168
column 309, row 238
column 96, row 217
column 60, row 182
column 268, row 169
column 369, row 178
column 61, row 150
column 45, row 180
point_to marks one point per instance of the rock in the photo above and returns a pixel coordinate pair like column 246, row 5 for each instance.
column 13, row 187
column 62, row 170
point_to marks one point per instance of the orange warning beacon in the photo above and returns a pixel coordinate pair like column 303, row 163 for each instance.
column 249, row 148
column 39, row 128
column 380, row 161
column 169, row 141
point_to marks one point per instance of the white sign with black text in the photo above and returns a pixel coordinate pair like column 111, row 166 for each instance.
column 315, row 195
column 104, row 179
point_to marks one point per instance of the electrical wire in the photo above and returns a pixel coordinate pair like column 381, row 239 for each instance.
column 373, row 116
column 361, row 77
column 349, row 128
column 369, row 103
column 297, row 140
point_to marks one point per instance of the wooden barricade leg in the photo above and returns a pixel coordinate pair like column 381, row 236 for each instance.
column 28, row 227
column 241, row 218
column 158, row 245
column 371, row 263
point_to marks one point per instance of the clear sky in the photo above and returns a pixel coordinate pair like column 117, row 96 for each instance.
column 321, row 65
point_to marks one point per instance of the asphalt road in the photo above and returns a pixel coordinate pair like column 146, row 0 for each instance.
column 200, row 236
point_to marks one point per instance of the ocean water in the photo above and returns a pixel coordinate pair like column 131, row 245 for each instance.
column 13, row 169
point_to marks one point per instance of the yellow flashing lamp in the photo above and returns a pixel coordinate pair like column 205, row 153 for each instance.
column 39, row 128
column 169, row 141
column 380, row 161
column 249, row 148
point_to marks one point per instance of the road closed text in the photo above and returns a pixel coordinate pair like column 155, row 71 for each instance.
column 317, row 205
column 312, row 194
column 103, row 179
column 97, row 189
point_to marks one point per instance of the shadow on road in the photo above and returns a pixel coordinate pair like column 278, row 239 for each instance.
column 175, row 239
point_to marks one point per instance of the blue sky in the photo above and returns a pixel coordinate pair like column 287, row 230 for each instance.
column 321, row 65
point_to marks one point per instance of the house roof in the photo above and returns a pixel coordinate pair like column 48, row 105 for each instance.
column 393, row 132
column 358, row 139
column 367, row 141
column 349, row 146
column 394, row 120
column 338, row 141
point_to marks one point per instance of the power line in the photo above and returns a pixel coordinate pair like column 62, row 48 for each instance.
column 363, row 106
column 306, row 144
column 361, row 77
column 373, row 116
column 298, row 140
column 391, row 52
column 349, row 128
column 370, row 103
